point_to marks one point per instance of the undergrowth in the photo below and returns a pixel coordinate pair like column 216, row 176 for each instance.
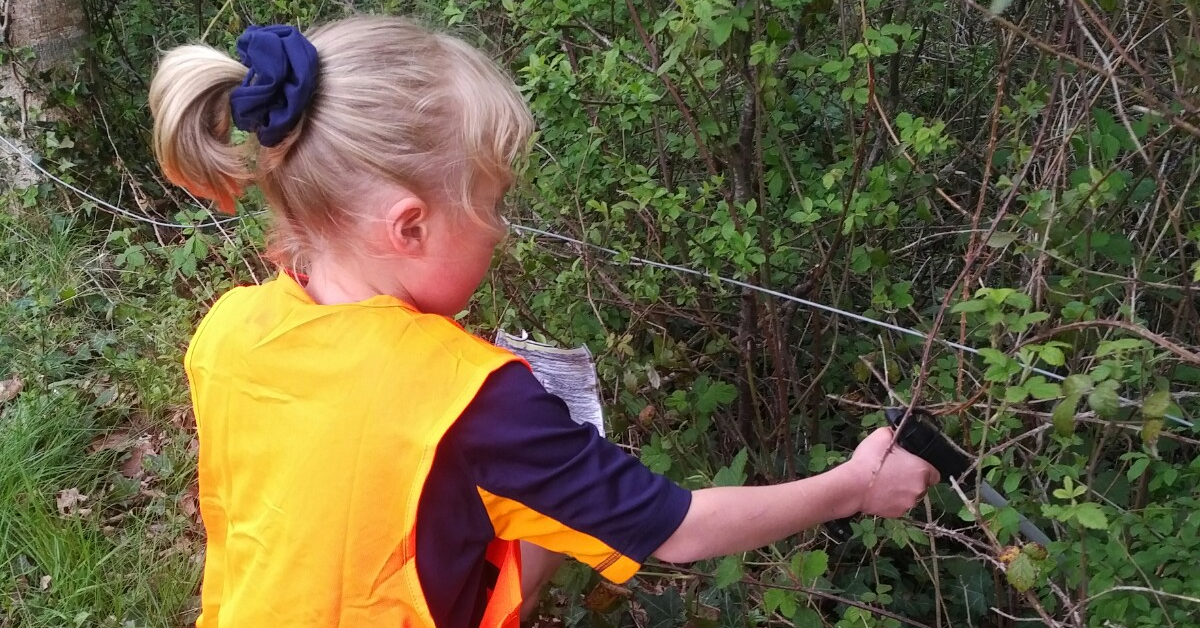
column 1024, row 185
column 95, row 460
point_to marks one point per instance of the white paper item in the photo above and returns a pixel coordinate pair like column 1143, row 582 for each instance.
column 568, row 374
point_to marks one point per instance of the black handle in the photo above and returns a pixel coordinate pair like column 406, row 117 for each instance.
column 918, row 437
column 839, row 529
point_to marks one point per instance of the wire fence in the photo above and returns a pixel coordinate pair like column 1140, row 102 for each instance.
column 613, row 259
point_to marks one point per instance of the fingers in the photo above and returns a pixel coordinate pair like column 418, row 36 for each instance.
column 932, row 476
column 928, row 471
column 901, row 478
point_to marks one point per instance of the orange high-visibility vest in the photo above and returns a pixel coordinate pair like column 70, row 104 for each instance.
column 318, row 426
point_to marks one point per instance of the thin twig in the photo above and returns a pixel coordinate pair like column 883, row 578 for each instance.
column 1184, row 354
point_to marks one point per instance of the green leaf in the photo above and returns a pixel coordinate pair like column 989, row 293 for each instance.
column 969, row 306
column 1053, row 356
column 1089, row 515
column 1109, row 146
column 1113, row 346
column 714, row 395
column 1039, row 388
column 831, row 67
column 998, row 6
column 860, row 260
column 1106, row 124
column 734, row 474
column 1070, row 490
column 887, row 45
column 1053, row 511
column 995, row 295
column 654, row 457
column 905, row 31
column 1138, row 467
column 1036, row 551
column 1021, row 573
column 810, row 565
column 780, row 600
column 806, row 618
column 1033, row 317
column 1008, row 519
column 1019, row 300
column 721, row 29
column 1151, row 430
column 663, row 611
column 1001, row 239
column 1077, row 385
column 729, row 571
column 1063, row 416
column 1015, row 394
column 1104, row 399
column 993, row 357
column 1157, row 404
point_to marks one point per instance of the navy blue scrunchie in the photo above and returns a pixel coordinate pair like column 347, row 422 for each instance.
column 280, row 83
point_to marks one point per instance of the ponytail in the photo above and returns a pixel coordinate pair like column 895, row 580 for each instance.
column 189, row 100
column 354, row 105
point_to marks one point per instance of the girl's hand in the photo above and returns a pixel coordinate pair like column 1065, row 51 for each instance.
column 892, row 482
column 732, row 519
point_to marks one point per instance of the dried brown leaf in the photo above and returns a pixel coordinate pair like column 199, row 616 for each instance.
column 605, row 597
column 184, row 419
column 646, row 416
column 181, row 547
column 10, row 388
column 1009, row 554
column 189, row 503
column 132, row 467
column 117, row 440
column 68, row 502
column 105, row 396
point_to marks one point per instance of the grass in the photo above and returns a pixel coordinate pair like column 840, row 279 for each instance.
column 97, row 519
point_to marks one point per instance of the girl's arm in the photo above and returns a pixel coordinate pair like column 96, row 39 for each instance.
column 729, row 520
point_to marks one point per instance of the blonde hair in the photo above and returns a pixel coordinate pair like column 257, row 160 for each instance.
column 395, row 103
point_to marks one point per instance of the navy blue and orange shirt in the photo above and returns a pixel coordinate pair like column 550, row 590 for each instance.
column 366, row 464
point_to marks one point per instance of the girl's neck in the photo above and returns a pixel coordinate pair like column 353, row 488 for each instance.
column 335, row 282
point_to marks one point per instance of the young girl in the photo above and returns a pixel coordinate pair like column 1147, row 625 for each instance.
column 363, row 460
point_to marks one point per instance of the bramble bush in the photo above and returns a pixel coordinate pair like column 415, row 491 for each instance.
column 1025, row 184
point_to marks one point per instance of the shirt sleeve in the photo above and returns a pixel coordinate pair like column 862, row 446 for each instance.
column 545, row 479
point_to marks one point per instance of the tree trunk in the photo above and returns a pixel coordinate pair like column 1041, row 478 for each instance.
column 54, row 30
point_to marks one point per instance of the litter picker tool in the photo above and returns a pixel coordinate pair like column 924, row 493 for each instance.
column 919, row 436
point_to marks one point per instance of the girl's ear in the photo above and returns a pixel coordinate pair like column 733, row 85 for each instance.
column 407, row 223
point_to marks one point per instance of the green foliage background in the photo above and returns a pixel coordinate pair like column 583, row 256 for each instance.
column 1023, row 184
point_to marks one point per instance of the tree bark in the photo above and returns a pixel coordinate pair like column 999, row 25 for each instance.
column 54, row 30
